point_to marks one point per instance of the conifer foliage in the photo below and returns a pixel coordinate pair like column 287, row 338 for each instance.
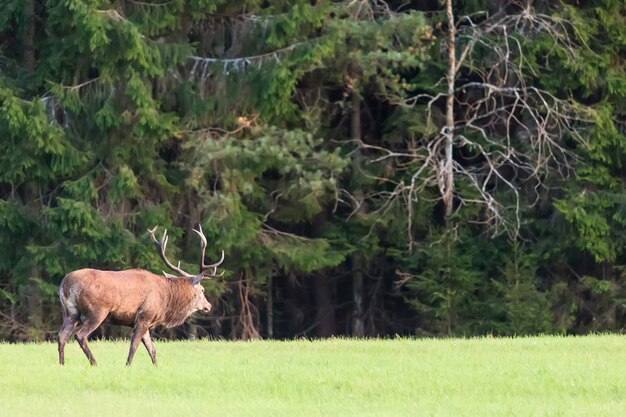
column 331, row 150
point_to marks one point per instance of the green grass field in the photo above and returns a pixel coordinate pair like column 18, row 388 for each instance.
column 547, row 376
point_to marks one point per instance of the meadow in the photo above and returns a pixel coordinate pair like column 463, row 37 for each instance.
column 536, row 376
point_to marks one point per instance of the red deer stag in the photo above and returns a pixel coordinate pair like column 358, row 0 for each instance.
column 134, row 297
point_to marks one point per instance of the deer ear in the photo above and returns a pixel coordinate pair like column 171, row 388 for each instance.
column 166, row 275
column 195, row 280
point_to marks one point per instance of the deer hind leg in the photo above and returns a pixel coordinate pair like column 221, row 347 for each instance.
column 87, row 327
column 139, row 331
column 69, row 323
column 147, row 342
column 70, row 320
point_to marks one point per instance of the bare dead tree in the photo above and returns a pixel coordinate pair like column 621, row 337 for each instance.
column 510, row 130
column 246, row 326
column 446, row 184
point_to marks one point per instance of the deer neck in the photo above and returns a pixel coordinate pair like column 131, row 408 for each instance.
column 179, row 303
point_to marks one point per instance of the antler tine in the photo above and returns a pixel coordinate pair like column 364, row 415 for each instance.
column 214, row 275
column 203, row 245
column 201, row 234
column 216, row 264
column 164, row 239
column 161, row 246
column 204, row 267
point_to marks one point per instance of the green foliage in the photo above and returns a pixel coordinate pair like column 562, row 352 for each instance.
column 268, row 180
column 526, row 309
column 446, row 286
column 237, row 115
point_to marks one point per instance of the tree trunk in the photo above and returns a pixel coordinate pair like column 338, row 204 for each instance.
column 35, row 309
column 247, row 325
column 29, row 35
column 447, row 186
column 323, row 289
column 358, row 326
column 33, row 292
column 192, row 331
column 325, row 307
column 270, row 309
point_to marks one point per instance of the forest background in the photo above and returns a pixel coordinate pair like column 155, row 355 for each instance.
column 370, row 168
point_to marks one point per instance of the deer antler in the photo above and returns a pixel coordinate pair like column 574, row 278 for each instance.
column 204, row 267
column 161, row 246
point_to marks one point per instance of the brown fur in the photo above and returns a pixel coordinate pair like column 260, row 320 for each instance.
column 134, row 297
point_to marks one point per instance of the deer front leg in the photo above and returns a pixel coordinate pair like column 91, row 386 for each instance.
column 147, row 342
column 140, row 329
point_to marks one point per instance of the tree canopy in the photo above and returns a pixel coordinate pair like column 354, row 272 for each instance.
column 370, row 168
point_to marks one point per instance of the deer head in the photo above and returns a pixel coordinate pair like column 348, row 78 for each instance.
column 205, row 271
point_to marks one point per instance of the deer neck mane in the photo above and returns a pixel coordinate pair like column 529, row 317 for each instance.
column 179, row 302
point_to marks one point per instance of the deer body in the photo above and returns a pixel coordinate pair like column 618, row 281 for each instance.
column 134, row 297
column 127, row 295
